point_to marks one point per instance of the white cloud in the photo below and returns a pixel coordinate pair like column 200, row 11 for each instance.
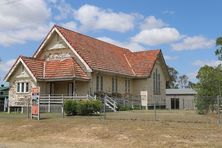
column 64, row 9
column 4, row 67
column 92, row 17
column 168, row 12
column 170, row 58
column 23, row 20
column 193, row 43
column 201, row 63
column 23, row 14
column 22, row 35
column 70, row 25
column 157, row 36
column 129, row 45
column 152, row 22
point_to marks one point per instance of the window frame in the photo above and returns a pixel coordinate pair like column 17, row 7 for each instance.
column 99, row 82
column 22, row 87
column 127, row 85
column 114, row 85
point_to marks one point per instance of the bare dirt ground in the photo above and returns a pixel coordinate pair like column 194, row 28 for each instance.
column 82, row 132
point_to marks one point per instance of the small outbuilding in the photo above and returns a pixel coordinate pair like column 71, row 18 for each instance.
column 180, row 98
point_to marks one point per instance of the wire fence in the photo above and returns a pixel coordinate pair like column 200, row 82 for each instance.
column 207, row 109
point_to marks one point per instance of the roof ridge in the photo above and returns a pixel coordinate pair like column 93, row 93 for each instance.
column 148, row 50
column 92, row 37
column 129, row 64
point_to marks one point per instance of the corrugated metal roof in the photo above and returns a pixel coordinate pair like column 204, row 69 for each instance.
column 4, row 88
column 180, row 92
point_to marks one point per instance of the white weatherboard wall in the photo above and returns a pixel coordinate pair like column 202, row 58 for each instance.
column 185, row 101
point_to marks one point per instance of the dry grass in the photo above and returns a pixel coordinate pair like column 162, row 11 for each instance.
column 94, row 132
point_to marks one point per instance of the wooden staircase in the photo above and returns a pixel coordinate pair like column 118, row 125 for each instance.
column 110, row 104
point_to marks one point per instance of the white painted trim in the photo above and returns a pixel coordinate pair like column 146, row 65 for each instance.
column 29, row 71
column 44, row 42
column 88, row 69
column 78, row 56
column 16, row 64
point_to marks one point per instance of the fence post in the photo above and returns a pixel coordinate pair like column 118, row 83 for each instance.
column 49, row 104
column 28, row 108
column 218, row 109
column 62, row 106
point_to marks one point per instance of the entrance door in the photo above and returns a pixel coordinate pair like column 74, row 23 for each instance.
column 50, row 88
column 70, row 89
column 174, row 103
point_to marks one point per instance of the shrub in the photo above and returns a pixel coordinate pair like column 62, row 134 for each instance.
column 123, row 108
column 88, row 107
column 137, row 107
column 202, row 105
column 82, row 107
column 70, row 107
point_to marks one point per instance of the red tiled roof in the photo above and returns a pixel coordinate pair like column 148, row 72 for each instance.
column 63, row 69
column 142, row 62
column 97, row 54
column 103, row 56
column 67, row 68
column 34, row 65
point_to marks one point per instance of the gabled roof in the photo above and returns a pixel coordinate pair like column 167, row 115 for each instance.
column 103, row 56
column 63, row 69
column 40, row 69
column 93, row 54
column 143, row 62
column 98, row 55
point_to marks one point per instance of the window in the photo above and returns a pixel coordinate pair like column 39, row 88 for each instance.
column 127, row 86
column 27, row 87
column 99, row 83
column 126, row 81
column 156, row 83
column 18, row 87
column 22, row 87
column 114, row 84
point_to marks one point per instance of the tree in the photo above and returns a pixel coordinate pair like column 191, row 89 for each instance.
column 173, row 77
column 191, row 85
column 218, row 51
column 183, row 81
column 208, row 87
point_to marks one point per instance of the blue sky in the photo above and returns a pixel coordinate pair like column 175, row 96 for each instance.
column 184, row 30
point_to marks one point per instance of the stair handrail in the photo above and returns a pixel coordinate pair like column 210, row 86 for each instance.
column 111, row 102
